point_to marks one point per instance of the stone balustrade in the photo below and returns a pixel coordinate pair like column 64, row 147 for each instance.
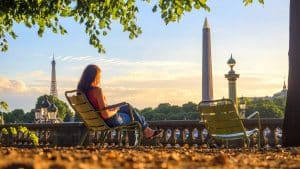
column 175, row 133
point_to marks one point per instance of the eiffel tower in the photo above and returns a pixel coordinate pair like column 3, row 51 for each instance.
column 53, row 89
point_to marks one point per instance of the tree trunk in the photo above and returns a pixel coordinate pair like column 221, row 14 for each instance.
column 291, row 124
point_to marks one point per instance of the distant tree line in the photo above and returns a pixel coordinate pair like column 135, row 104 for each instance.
column 166, row 111
column 19, row 116
column 268, row 108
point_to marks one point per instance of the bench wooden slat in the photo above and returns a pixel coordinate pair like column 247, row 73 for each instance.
column 94, row 122
column 217, row 108
column 89, row 115
column 221, row 116
column 83, row 108
column 79, row 99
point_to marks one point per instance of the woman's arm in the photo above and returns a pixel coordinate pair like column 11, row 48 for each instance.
column 101, row 101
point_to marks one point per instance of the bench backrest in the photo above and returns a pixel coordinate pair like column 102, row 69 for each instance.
column 82, row 106
column 220, row 117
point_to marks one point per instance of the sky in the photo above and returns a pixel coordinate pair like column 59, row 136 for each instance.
column 163, row 65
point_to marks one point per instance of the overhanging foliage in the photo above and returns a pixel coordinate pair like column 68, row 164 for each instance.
column 96, row 15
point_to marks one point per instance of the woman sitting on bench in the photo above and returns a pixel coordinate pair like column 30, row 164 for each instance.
column 90, row 85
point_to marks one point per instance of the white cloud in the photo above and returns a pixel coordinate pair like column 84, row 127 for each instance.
column 13, row 86
column 20, row 95
column 37, row 74
column 115, row 61
column 142, row 83
column 8, row 86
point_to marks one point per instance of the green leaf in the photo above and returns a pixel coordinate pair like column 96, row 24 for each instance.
column 39, row 2
column 154, row 9
column 4, row 105
column 164, row 14
column 102, row 24
column 76, row 18
column 197, row 6
column 13, row 131
column 179, row 11
column 13, row 35
column 81, row 20
column 139, row 31
column 33, row 137
column 187, row 8
column 202, row 1
column 54, row 30
column 41, row 31
column 173, row 18
column 131, row 36
column 107, row 2
column 4, row 131
column 27, row 24
column 247, row 2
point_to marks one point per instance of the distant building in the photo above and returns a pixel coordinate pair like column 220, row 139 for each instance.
column 282, row 93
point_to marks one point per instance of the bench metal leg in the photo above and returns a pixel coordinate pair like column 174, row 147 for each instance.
column 102, row 137
column 139, row 135
column 83, row 138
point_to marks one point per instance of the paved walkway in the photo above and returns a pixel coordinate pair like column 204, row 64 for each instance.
column 147, row 157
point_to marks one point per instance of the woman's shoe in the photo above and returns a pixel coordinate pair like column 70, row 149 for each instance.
column 155, row 134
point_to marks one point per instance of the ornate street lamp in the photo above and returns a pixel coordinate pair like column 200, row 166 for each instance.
column 242, row 106
column 37, row 114
column 44, row 108
column 52, row 111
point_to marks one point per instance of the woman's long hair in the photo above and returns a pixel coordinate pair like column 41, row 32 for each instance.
column 88, row 77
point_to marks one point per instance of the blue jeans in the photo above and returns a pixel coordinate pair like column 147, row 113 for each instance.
column 122, row 117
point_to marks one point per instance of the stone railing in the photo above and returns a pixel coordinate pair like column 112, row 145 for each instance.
column 195, row 133
column 175, row 133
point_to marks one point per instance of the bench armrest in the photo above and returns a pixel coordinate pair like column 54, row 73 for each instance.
column 122, row 104
column 256, row 114
column 115, row 105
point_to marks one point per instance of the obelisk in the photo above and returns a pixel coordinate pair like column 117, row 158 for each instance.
column 207, row 81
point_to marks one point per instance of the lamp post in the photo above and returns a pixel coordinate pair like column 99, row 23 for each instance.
column 232, row 77
column 2, row 121
column 52, row 111
column 44, row 109
column 37, row 114
column 242, row 106
column 46, row 112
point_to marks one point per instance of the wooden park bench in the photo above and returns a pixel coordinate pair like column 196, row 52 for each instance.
column 94, row 122
column 223, row 122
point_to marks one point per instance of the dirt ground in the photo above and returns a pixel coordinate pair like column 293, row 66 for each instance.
column 146, row 157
